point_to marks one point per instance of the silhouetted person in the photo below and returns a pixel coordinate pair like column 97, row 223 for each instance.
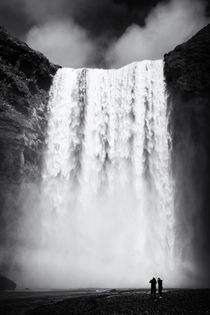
column 153, row 287
column 160, row 287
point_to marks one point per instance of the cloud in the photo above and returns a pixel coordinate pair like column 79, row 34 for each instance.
column 167, row 25
column 43, row 22
column 63, row 42
column 107, row 18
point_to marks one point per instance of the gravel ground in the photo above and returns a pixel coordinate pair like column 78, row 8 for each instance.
column 181, row 302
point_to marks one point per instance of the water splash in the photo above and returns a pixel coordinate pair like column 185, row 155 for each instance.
column 107, row 190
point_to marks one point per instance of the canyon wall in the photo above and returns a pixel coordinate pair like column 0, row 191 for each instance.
column 187, row 73
column 25, row 79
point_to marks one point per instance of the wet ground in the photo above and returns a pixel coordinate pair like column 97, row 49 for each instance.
column 110, row 302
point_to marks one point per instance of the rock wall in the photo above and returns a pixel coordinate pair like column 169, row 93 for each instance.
column 25, row 79
column 187, row 72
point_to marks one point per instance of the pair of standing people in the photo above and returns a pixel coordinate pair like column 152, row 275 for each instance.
column 154, row 282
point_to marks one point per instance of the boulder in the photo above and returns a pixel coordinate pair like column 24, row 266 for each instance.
column 6, row 284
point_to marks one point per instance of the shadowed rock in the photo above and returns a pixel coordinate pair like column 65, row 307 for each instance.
column 6, row 284
column 25, row 79
column 187, row 72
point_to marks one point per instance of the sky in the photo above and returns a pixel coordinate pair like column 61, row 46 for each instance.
column 103, row 33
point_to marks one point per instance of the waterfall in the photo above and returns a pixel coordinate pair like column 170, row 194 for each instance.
column 107, row 188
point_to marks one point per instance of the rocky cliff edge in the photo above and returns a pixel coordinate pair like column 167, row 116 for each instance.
column 25, row 79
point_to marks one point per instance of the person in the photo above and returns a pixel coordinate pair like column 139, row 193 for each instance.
column 153, row 287
column 160, row 287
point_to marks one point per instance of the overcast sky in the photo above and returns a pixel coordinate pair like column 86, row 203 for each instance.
column 79, row 33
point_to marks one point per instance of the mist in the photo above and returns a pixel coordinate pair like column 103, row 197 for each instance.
column 63, row 42
column 83, row 243
column 103, row 33
column 75, row 34
column 103, row 214
column 167, row 25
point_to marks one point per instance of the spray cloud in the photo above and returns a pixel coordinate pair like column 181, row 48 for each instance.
column 167, row 25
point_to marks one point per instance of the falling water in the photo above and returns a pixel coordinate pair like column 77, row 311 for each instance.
column 107, row 190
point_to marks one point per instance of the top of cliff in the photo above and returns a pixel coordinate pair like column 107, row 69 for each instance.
column 187, row 67
column 25, row 79
column 21, row 57
column 24, row 72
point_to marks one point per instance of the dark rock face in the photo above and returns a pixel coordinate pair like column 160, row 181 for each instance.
column 25, row 79
column 187, row 72
column 6, row 284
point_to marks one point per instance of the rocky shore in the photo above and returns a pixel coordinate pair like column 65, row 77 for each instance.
column 118, row 302
column 189, row 302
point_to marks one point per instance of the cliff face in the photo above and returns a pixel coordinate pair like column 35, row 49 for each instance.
column 187, row 72
column 25, row 79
